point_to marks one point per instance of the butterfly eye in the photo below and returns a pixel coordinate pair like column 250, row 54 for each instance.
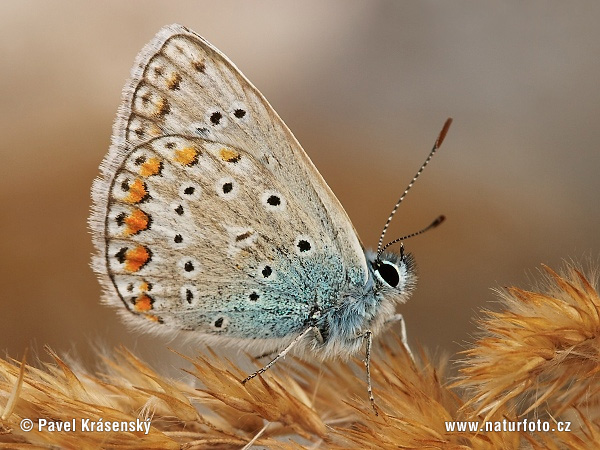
column 388, row 272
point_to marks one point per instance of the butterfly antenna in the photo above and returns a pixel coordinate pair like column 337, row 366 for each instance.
column 433, row 224
column 436, row 145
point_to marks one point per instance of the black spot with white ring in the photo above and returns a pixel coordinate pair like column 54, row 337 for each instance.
column 189, row 294
column 220, row 323
column 190, row 191
column 215, row 118
column 273, row 201
column 304, row 245
column 238, row 111
column 266, row 271
column 189, row 267
column 227, row 188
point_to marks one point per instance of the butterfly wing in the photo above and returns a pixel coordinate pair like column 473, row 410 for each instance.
column 208, row 216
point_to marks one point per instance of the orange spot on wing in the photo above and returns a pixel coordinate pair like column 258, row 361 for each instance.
column 186, row 156
column 150, row 167
column 136, row 222
column 152, row 318
column 174, row 81
column 136, row 258
column 229, row 155
column 143, row 303
column 144, row 286
column 162, row 107
column 137, row 192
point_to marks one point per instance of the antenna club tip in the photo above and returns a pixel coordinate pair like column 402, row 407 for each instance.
column 442, row 135
column 438, row 221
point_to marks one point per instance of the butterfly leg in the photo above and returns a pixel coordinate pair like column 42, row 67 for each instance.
column 368, row 336
column 318, row 337
column 403, row 336
column 280, row 355
column 264, row 355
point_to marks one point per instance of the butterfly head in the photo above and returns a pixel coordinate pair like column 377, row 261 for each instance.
column 393, row 273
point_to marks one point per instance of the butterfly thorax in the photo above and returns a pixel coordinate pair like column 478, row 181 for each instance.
column 341, row 328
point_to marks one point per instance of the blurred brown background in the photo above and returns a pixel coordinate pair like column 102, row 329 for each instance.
column 366, row 87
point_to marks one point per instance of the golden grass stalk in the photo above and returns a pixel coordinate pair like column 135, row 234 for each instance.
column 538, row 357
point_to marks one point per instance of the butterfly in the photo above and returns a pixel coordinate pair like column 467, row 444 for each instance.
column 211, row 221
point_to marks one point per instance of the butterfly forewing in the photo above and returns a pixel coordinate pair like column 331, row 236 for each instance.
column 209, row 216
